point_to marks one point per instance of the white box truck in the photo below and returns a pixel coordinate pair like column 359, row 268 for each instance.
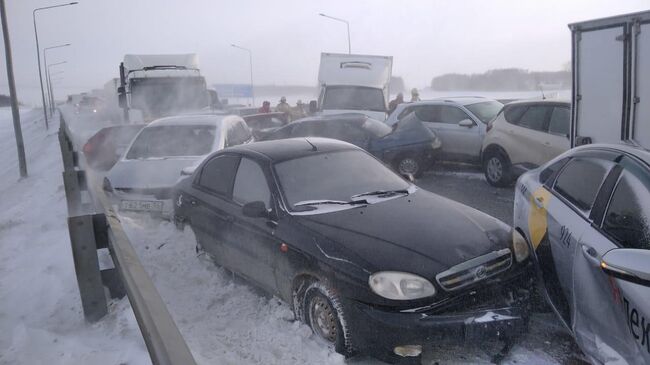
column 354, row 83
column 161, row 85
column 611, row 80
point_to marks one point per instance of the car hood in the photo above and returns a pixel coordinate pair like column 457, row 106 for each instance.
column 422, row 233
column 149, row 174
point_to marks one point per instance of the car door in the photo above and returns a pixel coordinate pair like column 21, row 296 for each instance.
column 458, row 141
column 557, row 138
column 574, row 192
column 612, row 320
column 252, row 247
column 211, row 191
column 526, row 136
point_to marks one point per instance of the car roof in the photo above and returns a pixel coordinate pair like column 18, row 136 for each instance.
column 540, row 102
column 454, row 100
column 288, row 149
column 625, row 147
column 343, row 117
column 180, row 120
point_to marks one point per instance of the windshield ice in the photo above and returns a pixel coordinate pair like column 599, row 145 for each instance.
column 334, row 176
column 173, row 141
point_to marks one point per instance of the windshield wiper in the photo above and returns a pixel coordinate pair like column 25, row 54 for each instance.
column 382, row 193
column 329, row 202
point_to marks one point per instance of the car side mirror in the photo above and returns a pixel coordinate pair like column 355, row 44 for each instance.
column 628, row 264
column 468, row 123
column 255, row 209
column 313, row 106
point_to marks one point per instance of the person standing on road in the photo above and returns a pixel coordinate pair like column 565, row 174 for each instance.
column 265, row 108
column 415, row 95
column 284, row 107
column 395, row 102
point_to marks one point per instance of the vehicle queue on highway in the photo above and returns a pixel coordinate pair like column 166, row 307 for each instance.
column 325, row 213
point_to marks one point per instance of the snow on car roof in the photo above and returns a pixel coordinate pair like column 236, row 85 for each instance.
column 286, row 149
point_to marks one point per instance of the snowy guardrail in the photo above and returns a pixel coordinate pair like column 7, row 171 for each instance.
column 89, row 232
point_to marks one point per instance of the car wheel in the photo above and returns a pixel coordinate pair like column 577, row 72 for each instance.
column 323, row 313
column 408, row 165
column 497, row 169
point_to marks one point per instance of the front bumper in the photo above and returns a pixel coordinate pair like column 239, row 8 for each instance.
column 493, row 311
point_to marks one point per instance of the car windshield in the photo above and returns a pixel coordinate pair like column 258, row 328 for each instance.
column 336, row 176
column 486, row 110
column 173, row 141
column 354, row 98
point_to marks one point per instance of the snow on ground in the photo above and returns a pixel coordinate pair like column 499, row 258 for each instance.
column 40, row 310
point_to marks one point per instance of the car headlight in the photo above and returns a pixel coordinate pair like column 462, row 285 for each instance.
column 519, row 246
column 400, row 285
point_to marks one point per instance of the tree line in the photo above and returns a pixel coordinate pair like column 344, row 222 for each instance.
column 507, row 79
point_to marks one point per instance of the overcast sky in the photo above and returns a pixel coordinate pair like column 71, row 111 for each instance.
column 426, row 38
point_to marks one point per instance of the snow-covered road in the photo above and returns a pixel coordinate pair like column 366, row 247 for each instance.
column 223, row 319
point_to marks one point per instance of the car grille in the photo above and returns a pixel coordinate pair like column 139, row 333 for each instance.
column 475, row 270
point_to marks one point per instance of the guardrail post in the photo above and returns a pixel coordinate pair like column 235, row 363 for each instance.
column 89, row 279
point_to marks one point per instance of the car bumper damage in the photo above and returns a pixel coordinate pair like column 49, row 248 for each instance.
column 474, row 315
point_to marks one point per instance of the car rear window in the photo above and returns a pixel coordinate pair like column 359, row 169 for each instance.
column 173, row 141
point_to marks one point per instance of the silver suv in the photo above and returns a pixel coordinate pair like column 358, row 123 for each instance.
column 459, row 122
column 525, row 135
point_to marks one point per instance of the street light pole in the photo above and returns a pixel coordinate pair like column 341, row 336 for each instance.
column 22, row 164
column 47, row 77
column 38, row 54
column 49, row 81
column 250, row 60
column 347, row 25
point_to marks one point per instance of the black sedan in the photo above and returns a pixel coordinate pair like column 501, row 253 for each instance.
column 369, row 261
column 409, row 147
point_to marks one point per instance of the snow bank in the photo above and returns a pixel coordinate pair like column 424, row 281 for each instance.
column 40, row 310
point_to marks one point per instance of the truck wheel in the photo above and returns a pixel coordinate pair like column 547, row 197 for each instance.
column 408, row 165
column 497, row 169
column 322, row 311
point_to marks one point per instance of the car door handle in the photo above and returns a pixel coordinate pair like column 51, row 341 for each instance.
column 193, row 202
column 590, row 254
column 539, row 202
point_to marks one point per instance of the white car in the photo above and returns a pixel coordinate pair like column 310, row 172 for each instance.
column 459, row 122
column 585, row 218
column 143, row 178
column 523, row 136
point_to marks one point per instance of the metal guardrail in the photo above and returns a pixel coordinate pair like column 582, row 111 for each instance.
column 90, row 232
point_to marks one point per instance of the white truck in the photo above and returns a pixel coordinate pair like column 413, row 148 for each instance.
column 354, row 83
column 161, row 85
column 611, row 80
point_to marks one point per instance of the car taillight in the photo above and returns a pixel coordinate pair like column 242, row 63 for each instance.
column 88, row 148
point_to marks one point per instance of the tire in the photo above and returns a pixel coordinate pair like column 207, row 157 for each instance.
column 322, row 311
column 409, row 165
column 496, row 168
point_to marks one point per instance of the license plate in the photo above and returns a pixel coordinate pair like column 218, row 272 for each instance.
column 142, row 205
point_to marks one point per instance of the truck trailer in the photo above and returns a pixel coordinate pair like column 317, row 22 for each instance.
column 611, row 80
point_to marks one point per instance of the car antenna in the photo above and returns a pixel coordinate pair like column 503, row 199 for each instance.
column 313, row 147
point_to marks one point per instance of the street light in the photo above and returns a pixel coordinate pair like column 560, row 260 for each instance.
column 49, row 81
column 38, row 53
column 250, row 59
column 20, row 146
column 343, row 21
column 51, row 100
